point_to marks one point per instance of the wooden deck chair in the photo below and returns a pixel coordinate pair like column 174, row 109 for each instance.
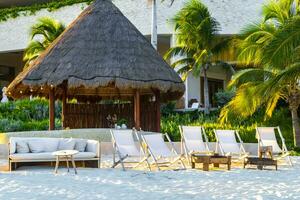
column 266, row 136
column 125, row 147
column 228, row 145
column 161, row 154
column 194, row 140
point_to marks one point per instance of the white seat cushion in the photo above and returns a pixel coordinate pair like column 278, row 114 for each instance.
column 32, row 156
column 85, row 155
column 48, row 156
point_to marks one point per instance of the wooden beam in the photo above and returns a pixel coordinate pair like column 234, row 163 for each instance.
column 64, row 108
column 137, row 110
column 51, row 109
column 157, row 106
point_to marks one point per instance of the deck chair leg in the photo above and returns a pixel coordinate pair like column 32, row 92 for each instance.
column 289, row 160
column 182, row 164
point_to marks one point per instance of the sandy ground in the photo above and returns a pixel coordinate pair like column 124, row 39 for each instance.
column 41, row 183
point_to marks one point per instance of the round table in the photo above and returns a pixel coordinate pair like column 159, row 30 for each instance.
column 65, row 155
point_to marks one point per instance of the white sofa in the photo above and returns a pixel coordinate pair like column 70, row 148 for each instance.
column 40, row 149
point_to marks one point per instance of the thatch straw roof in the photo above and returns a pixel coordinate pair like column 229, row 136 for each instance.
column 100, row 54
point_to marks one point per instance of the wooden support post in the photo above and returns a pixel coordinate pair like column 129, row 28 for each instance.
column 64, row 108
column 51, row 109
column 137, row 110
column 157, row 106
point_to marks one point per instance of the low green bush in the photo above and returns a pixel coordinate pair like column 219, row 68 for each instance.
column 26, row 115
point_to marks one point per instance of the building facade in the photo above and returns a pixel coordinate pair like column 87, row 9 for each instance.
column 232, row 15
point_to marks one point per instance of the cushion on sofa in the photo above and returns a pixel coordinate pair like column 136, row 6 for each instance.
column 51, row 145
column 82, row 155
column 22, row 147
column 48, row 156
column 36, row 146
column 66, row 144
column 32, row 156
column 80, row 145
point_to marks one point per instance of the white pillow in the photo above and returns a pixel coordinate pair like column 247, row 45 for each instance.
column 22, row 147
column 36, row 146
column 80, row 145
column 51, row 145
column 66, row 144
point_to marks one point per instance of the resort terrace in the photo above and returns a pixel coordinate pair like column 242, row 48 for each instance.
column 93, row 114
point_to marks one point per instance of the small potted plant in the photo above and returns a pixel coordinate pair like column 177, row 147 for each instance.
column 122, row 123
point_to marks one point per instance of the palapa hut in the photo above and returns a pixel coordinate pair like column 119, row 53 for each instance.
column 101, row 55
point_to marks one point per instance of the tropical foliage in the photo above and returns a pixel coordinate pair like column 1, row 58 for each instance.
column 271, row 47
column 26, row 115
column 197, row 42
column 43, row 33
column 13, row 12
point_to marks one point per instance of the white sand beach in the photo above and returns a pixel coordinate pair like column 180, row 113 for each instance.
column 41, row 183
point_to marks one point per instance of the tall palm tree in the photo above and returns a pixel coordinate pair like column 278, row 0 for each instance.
column 272, row 47
column 43, row 33
column 197, row 42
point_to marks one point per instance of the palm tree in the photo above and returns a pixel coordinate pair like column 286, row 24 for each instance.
column 43, row 33
column 272, row 47
column 197, row 42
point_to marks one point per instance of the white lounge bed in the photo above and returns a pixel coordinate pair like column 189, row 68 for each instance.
column 267, row 137
column 228, row 145
column 161, row 154
column 125, row 147
column 194, row 140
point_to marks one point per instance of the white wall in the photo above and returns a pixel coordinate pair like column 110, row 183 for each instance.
column 232, row 15
column 193, row 89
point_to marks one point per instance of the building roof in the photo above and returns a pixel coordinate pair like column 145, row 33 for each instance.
column 233, row 15
column 103, row 54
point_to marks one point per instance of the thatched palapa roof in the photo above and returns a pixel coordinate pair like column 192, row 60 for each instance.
column 100, row 54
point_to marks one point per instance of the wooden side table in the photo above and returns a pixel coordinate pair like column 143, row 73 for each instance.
column 260, row 162
column 65, row 155
column 206, row 160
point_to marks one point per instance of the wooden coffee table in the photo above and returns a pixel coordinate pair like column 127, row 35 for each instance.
column 65, row 155
column 265, row 158
column 206, row 160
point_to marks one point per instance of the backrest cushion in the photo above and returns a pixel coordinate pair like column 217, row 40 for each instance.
column 22, row 147
column 66, row 144
column 80, row 145
column 36, row 146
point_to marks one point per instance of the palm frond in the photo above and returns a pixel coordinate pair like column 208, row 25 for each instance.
column 255, row 75
column 279, row 52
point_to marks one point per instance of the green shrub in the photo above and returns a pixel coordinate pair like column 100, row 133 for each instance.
column 26, row 115
column 223, row 97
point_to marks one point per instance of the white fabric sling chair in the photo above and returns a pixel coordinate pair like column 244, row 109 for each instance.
column 227, row 144
column 194, row 140
column 125, row 147
column 266, row 136
column 161, row 154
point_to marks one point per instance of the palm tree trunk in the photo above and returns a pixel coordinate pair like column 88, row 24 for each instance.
column 154, row 25
column 296, row 126
column 206, row 92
